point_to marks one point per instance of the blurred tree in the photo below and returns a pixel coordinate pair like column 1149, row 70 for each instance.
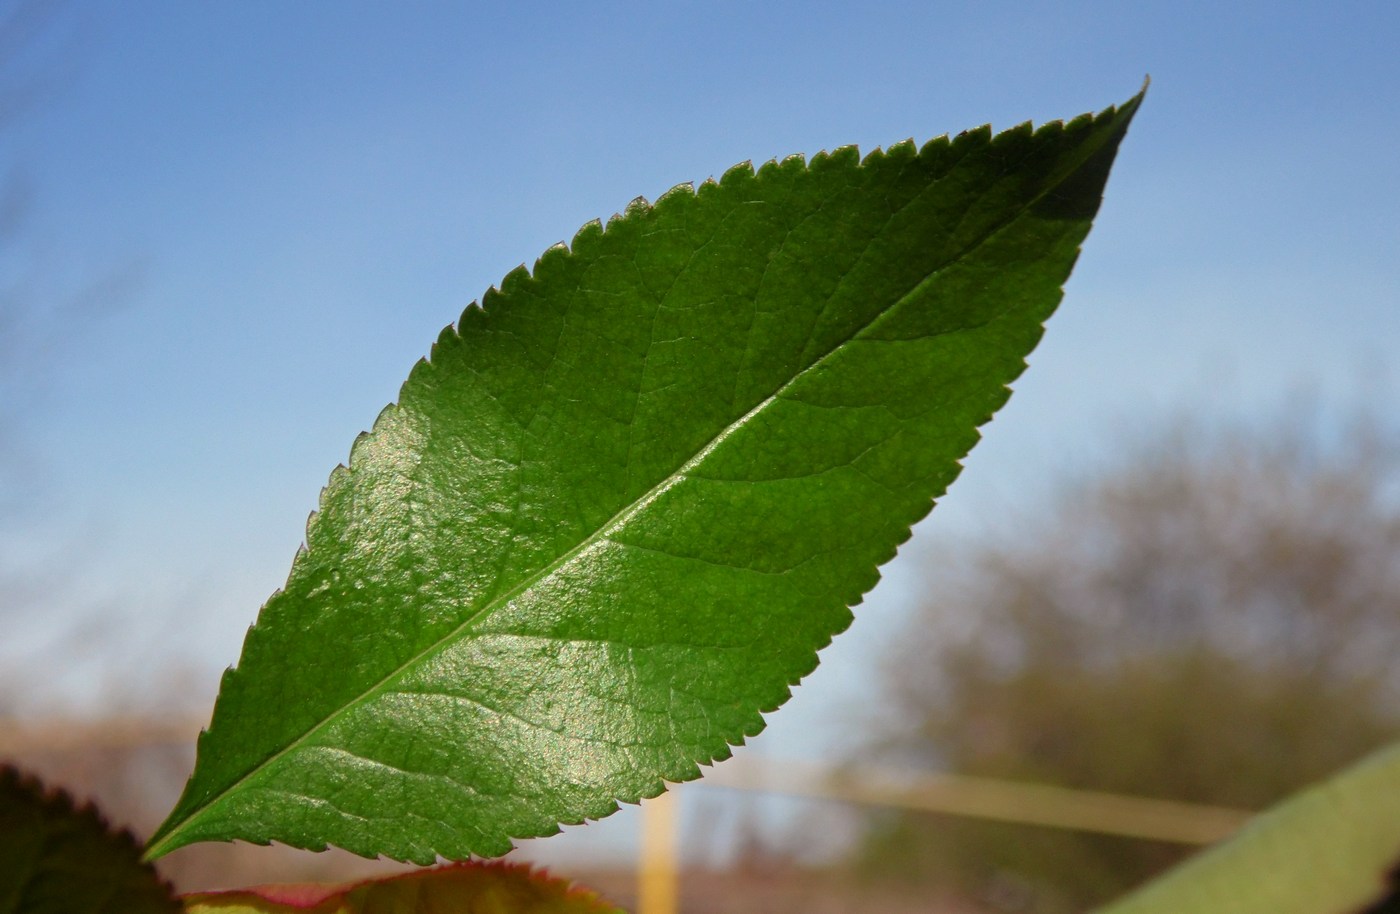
column 1215, row 620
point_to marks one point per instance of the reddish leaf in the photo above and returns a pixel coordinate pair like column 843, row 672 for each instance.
column 457, row 888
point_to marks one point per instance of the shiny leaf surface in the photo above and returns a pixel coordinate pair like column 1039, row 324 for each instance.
column 615, row 514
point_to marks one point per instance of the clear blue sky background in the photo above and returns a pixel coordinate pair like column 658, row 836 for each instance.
column 291, row 199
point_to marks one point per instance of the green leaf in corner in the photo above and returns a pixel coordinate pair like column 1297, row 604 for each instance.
column 1333, row 849
column 462, row 888
column 615, row 514
column 57, row 858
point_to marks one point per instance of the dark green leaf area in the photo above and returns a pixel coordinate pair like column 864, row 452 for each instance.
column 618, row 510
column 56, row 858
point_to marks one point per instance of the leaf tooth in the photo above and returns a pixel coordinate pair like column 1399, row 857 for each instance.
column 936, row 146
column 841, row 157
column 977, row 136
column 768, row 168
column 740, row 171
column 587, row 235
column 516, row 280
column 488, row 298
column 447, row 338
column 904, row 149
column 681, row 193
column 1021, row 133
column 554, row 256
column 362, row 440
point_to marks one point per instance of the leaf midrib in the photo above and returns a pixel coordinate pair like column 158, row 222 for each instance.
column 626, row 513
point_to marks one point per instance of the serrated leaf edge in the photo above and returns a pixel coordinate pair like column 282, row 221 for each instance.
column 638, row 208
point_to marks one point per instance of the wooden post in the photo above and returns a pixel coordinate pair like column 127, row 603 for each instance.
column 658, row 877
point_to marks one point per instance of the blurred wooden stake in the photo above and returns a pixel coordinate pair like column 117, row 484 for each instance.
column 988, row 798
column 658, row 887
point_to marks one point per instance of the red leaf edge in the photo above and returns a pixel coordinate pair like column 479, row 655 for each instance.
column 307, row 896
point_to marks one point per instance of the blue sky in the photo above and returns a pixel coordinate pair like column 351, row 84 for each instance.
column 280, row 204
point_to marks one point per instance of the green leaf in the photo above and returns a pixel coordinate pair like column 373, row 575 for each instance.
column 1333, row 849
column 462, row 888
column 56, row 858
column 618, row 510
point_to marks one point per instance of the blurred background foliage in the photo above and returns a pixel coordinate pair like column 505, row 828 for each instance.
column 1214, row 619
